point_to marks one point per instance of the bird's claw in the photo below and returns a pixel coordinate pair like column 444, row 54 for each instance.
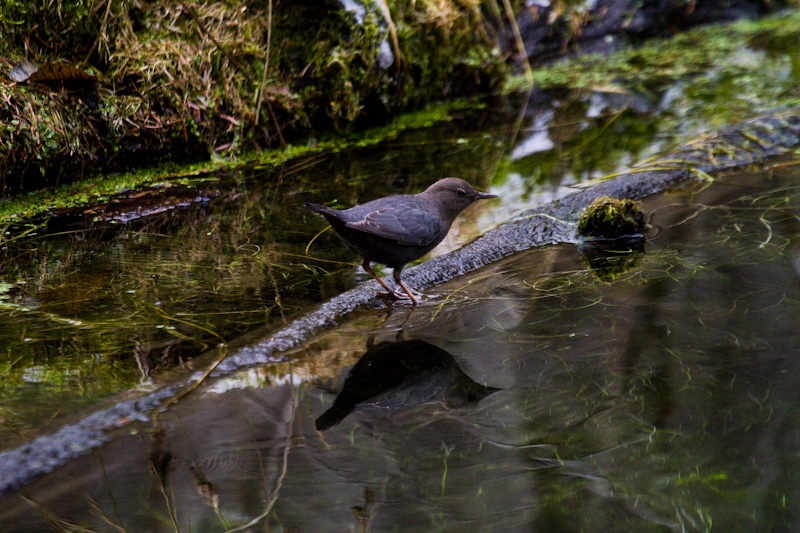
column 398, row 294
column 401, row 294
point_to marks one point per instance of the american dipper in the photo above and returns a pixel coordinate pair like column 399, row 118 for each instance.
column 398, row 229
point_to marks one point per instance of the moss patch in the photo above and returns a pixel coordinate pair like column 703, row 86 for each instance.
column 180, row 80
column 102, row 188
column 736, row 68
column 611, row 218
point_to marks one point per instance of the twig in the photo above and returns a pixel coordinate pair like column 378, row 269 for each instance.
column 100, row 33
column 279, row 482
column 392, row 32
column 223, row 353
column 277, row 127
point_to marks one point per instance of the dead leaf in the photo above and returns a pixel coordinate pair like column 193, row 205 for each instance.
column 49, row 73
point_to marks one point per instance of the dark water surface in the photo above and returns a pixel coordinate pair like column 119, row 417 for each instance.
column 530, row 395
column 120, row 296
column 657, row 392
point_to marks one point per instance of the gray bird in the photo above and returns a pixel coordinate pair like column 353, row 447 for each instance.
column 398, row 229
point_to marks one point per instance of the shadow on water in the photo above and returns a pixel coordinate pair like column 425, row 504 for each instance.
column 534, row 394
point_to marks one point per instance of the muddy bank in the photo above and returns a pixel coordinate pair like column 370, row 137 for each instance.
column 735, row 146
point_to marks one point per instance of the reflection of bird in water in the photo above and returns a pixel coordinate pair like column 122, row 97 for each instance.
column 399, row 375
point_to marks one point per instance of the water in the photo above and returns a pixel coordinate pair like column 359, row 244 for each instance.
column 124, row 295
column 529, row 395
column 657, row 392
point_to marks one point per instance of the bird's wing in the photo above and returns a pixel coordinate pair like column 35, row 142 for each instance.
column 409, row 226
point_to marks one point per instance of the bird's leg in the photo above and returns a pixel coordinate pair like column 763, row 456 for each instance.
column 365, row 266
column 408, row 291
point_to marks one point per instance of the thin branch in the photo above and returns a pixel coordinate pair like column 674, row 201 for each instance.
column 392, row 32
column 512, row 19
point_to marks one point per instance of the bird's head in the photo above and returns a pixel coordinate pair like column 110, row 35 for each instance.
column 453, row 195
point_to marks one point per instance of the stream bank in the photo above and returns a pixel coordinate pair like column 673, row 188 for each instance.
column 107, row 87
column 124, row 283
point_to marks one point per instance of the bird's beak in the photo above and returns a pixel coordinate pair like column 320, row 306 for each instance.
column 485, row 196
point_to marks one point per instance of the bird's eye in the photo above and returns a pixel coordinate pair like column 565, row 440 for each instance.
column 461, row 192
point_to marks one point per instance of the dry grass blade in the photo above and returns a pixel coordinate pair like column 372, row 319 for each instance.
column 205, row 33
column 260, row 92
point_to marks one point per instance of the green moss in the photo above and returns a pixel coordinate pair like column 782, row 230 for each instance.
column 68, row 28
column 663, row 60
column 101, row 187
column 705, row 78
column 184, row 80
column 611, row 218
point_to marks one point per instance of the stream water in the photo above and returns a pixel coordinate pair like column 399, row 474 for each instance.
column 125, row 294
column 643, row 389
column 658, row 392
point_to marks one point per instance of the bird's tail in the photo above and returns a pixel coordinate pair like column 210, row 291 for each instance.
column 321, row 209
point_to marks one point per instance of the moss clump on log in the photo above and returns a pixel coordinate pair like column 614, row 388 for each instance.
column 182, row 80
column 611, row 218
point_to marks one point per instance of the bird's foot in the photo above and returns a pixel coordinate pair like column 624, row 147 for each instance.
column 399, row 294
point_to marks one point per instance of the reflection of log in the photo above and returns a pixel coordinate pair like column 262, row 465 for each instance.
column 400, row 375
